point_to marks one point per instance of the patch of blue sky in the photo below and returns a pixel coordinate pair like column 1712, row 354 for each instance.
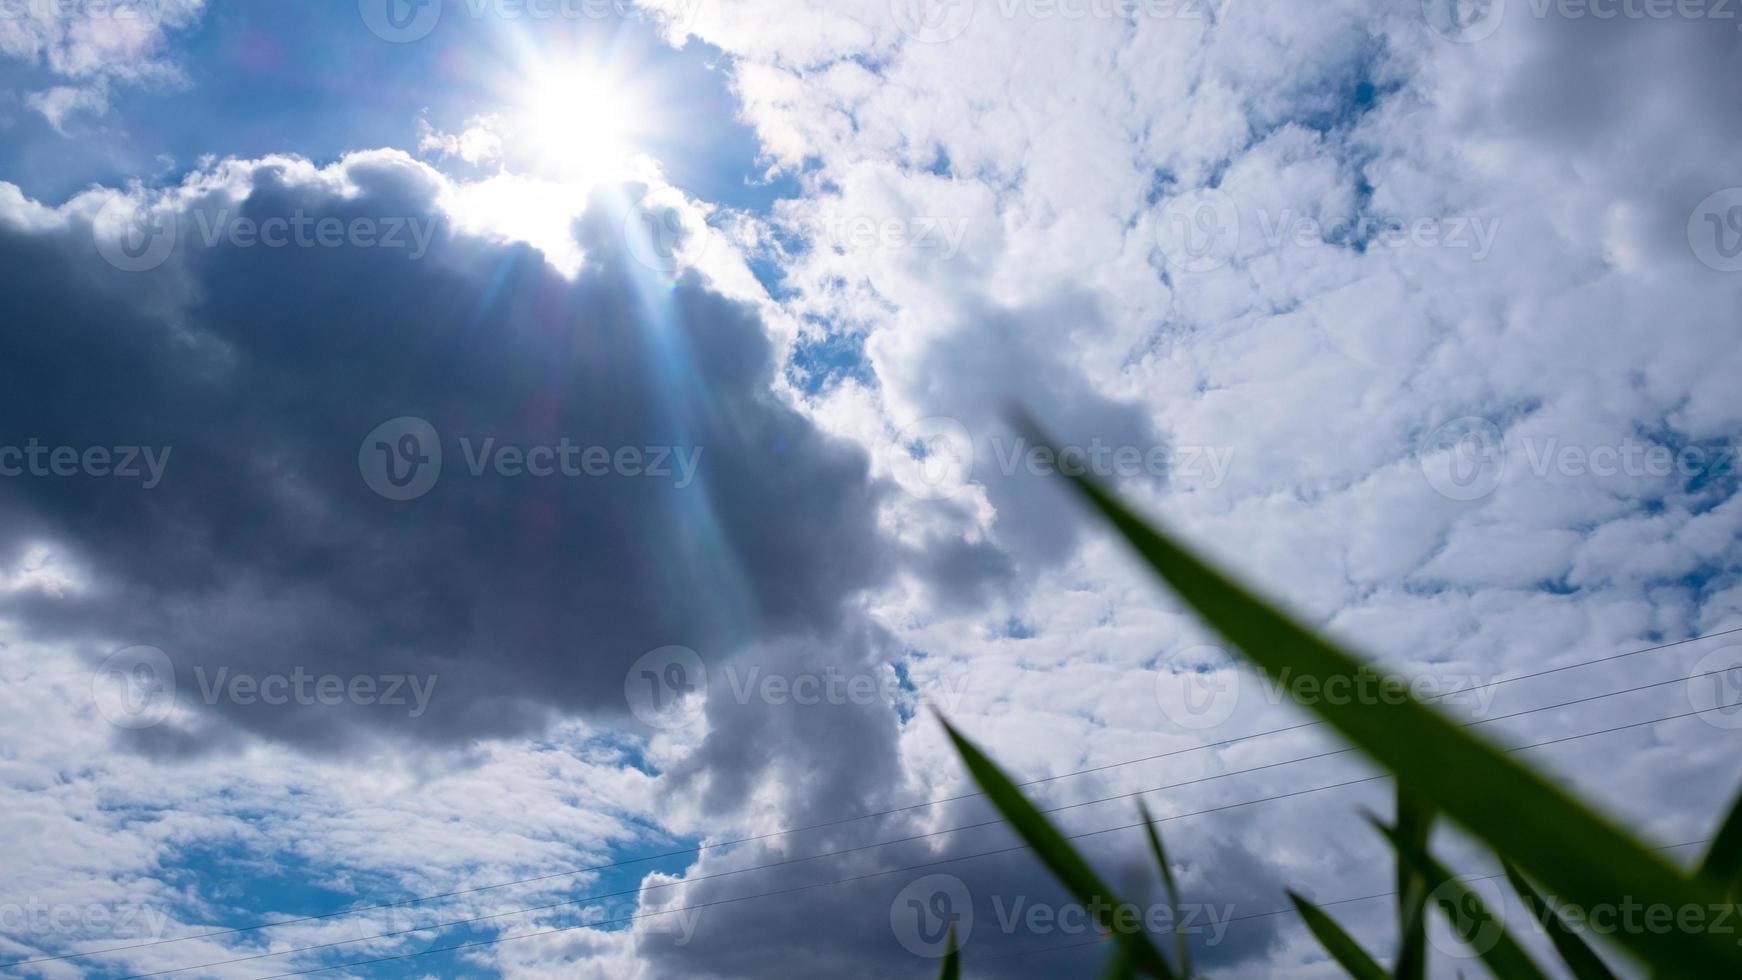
column 314, row 81
column 232, row 886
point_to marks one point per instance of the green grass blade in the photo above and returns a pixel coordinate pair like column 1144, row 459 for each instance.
column 1510, row 807
column 1054, row 851
column 1122, row 966
column 952, row 959
column 1342, row 947
column 1579, row 957
column 1723, row 862
column 1182, row 951
column 1475, row 923
column 1415, row 822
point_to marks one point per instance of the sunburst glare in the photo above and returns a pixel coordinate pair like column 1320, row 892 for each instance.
column 577, row 122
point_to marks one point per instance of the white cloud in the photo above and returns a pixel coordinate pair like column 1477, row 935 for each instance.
column 97, row 43
column 1541, row 182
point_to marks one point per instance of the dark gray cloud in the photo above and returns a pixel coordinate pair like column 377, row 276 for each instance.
column 263, row 550
column 1019, row 922
column 1000, row 360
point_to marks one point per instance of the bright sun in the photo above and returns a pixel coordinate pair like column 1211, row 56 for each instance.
column 577, row 123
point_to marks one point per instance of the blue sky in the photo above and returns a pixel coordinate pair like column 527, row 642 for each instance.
column 302, row 79
column 625, row 391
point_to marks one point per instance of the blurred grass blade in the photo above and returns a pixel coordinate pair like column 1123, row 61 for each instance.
column 1415, row 822
column 1121, row 966
column 1342, row 947
column 1723, row 862
column 1503, row 803
column 1054, row 851
column 1478, row 926
column 1182, row 950
column 1583, row 961
column 952, row 959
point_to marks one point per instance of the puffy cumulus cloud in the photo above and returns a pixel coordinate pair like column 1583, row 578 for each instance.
column 478, row 143
column 94, row 42
column 1455, row 308
column 617, row 470
column 95, row 834
column 1398, row 324
column 255, row 556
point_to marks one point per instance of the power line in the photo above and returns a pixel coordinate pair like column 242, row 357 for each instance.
column 814, row 885
column 831, row 823
column 888, row 843
column 930, row 864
